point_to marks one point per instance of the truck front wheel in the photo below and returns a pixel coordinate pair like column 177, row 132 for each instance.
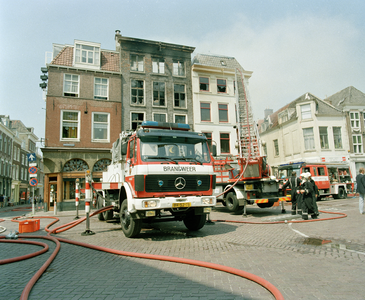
column 131, row 227
column 232, row 202
column 194, row 222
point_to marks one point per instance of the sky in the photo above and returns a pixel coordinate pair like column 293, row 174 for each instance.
column 291, row 46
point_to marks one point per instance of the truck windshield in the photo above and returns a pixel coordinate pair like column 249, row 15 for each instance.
column 287, row 172
column 195, row 152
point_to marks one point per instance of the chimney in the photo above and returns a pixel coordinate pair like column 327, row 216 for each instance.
column 268, row 112
column 117, row 37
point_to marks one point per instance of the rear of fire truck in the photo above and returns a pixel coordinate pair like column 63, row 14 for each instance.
column 161, row 172
column 244, row 179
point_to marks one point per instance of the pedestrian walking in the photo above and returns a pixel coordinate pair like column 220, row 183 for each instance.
column 307, row 192
column 1, row 200
column 360, row 188
column 293, row 182
column 315, row 194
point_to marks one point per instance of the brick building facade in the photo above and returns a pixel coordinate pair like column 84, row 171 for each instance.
column 83, row 117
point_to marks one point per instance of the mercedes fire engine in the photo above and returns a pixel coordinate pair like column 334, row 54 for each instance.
column 160, row 172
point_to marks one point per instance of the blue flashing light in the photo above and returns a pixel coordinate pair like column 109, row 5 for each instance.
column 165, row 125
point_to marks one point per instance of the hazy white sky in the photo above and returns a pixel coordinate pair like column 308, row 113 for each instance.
column 292, row 47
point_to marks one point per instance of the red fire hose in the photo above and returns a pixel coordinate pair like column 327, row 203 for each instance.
column 264, row 283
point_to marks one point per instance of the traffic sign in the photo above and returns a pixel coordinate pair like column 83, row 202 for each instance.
column 33, row 181
column 33, row 175
column 31, row 157
column 32, row 170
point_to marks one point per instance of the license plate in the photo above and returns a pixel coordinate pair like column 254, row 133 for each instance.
column 249, row 187
column 183, row 204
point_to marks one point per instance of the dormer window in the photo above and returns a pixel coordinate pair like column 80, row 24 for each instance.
column 283, row 117
column 306, row 111
column 87, row 54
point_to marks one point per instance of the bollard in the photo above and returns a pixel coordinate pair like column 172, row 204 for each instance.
column 209, row 221
column 51, row 200
column 87, row 203
column 33, row 203
column 244, row 208
column 77, row 197
column 283, row 211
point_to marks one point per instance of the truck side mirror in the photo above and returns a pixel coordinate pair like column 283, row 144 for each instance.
column 214, row 150
column 124, row 148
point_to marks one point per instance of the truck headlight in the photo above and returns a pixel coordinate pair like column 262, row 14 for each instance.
column 149, row 203
column 208, row 200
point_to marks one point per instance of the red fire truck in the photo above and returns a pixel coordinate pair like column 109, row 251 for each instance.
column 332, row 179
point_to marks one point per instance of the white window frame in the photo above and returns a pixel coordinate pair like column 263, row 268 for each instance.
column 323, row 138
column 137, row 89
column 185, row 115
column 158, row 65
column 178, row 67
column 185, row 100
column 276, row 148
column 73, row 82
column 355, row 119
column 340, row 137
column 87, row 54
column 78, row 126
column 153, row 94
column 153, row 116
column 107, row 140
column 306, row 111
column 308, row 138
column 103, row 87
column 137, row 112
column 357, row 145
column 137, row 62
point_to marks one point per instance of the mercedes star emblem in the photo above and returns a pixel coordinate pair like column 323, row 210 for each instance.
column 180, row 183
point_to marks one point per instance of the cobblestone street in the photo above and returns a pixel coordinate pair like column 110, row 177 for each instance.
column 310, row 260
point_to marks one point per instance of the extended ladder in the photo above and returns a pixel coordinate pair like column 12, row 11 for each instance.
column 247, row 129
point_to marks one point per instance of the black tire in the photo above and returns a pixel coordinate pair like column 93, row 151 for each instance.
column 194, row 222
column 232, row 202
column 106, row 215
column 265, row 205
column 99, row 204
column 342, row 194
column 131, row 227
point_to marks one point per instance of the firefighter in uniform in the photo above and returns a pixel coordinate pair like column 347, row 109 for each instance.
column 315, row 195
column 307, row 191
column 293, row 182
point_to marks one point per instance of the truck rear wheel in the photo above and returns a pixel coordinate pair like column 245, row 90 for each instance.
column 232, row 202
column 131, row 227
column 106, row 215
column 99, row 204
column 194, row 222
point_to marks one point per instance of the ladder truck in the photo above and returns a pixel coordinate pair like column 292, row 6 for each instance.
column 245, row 179
column 160, row 172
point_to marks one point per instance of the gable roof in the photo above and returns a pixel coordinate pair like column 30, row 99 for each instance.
column 109, row 59
column 217, row 61
column 347, row 96
column 322, row 108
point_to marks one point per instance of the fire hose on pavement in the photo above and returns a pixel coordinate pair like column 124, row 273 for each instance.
column 264, row 283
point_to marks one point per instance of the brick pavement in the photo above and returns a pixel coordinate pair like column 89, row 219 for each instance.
column 290, row 256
